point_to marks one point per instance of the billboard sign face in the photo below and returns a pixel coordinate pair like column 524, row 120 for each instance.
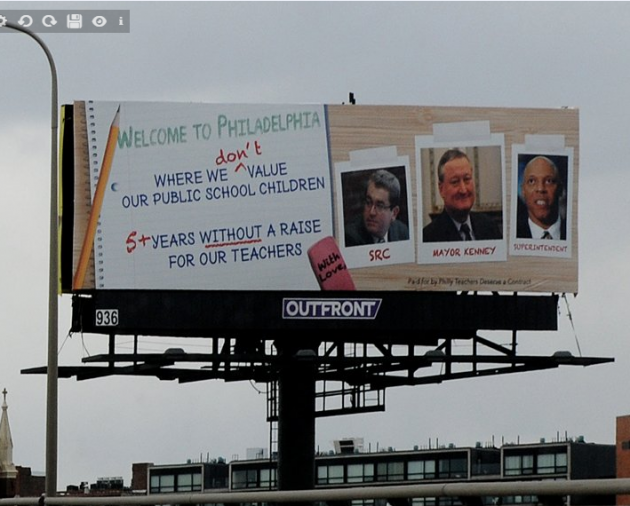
column 171, row 196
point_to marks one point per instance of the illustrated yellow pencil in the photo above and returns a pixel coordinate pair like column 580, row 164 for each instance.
column 97, row 203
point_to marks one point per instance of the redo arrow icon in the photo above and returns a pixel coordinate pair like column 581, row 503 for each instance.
column 49, row 21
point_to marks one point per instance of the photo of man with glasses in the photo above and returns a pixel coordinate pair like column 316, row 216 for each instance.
column 379, row 221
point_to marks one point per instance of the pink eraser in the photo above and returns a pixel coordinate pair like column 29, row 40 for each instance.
column 329, row 266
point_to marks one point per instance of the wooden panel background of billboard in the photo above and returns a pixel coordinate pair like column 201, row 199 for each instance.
column 82, row 192
column 356, row 127
column 359, row 127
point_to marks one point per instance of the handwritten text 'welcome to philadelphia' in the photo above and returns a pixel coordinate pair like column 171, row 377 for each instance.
column 208, row 184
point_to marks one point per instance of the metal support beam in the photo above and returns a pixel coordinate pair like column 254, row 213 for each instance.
column 460, row 490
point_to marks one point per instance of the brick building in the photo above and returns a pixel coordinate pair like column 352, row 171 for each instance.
column 556, row 460
column 29, row 484
column 623, row 453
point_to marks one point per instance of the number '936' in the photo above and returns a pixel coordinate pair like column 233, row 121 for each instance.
column 106, row 317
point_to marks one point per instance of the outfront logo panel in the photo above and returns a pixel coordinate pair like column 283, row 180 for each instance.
column 330, row 309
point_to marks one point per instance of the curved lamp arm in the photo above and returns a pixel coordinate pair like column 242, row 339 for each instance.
column 52, row 370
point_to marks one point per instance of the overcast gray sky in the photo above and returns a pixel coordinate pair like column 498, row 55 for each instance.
column 495, row 54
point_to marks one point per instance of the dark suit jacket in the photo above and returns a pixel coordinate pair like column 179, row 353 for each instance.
column 357, row 234
column 442, row 229
column 523, row 231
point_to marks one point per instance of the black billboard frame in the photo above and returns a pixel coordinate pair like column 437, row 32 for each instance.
column 400, row 317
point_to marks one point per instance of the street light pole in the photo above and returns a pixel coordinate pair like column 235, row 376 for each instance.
column 53, row 280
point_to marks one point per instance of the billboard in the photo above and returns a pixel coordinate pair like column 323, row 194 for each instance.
column 279, row 197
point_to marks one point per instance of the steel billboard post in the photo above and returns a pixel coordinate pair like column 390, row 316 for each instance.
column 53, row 303
column 296, row 416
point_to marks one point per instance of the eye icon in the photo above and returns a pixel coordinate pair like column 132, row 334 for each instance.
column 99, row 21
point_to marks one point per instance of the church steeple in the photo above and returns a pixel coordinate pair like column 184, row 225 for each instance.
column 8, row 471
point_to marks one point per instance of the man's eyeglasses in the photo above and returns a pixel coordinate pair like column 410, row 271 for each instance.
column 379, row 206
